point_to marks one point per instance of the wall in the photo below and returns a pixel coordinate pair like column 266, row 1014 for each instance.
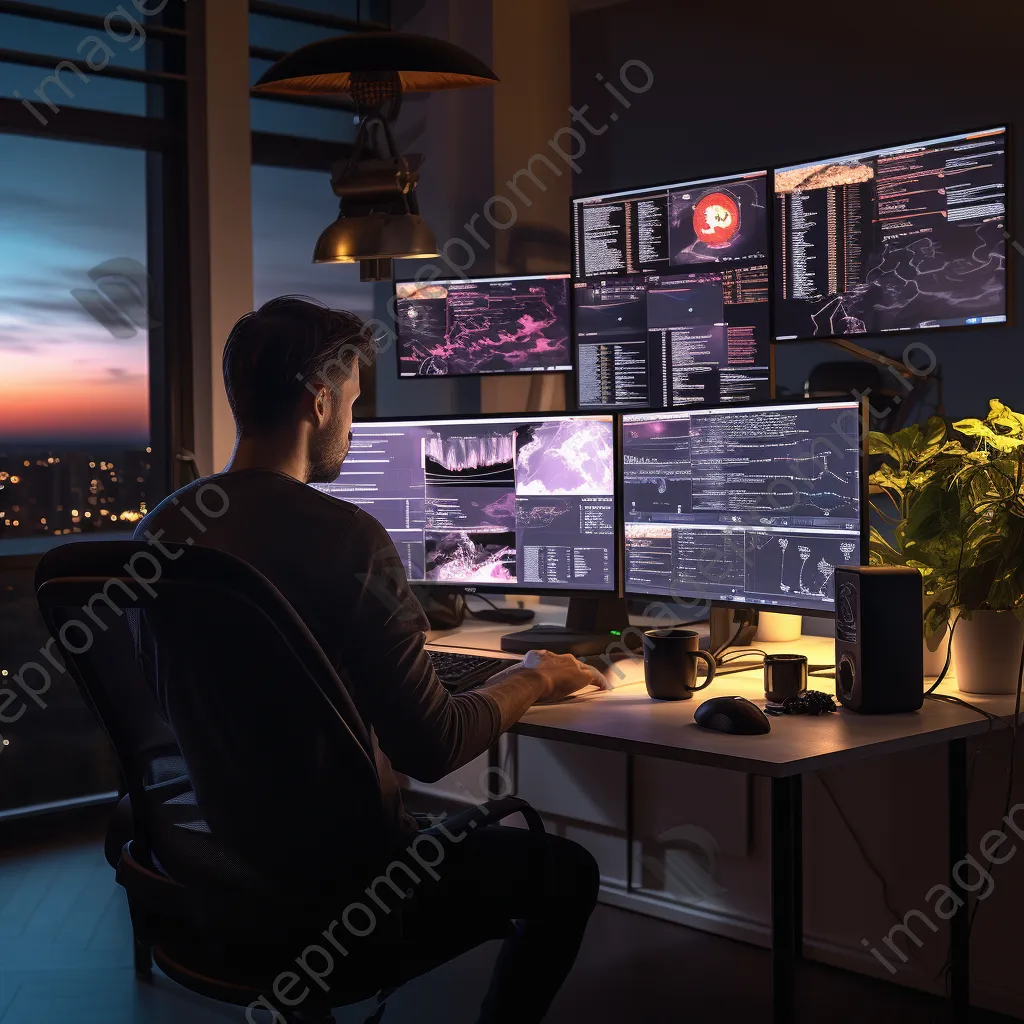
column 753, row 84
column 756, row 84
column 531, row 104
column 453, row 131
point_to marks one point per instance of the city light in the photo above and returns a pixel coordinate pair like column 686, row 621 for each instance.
column 54, row 503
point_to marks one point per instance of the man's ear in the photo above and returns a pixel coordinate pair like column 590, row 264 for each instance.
column 320, row 405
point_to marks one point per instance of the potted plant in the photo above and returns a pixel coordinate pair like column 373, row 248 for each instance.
column 954, row 509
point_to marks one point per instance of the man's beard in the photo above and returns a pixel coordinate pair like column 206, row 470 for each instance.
column 327, row 454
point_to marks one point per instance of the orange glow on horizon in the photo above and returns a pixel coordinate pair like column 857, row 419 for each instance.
column 70, row 408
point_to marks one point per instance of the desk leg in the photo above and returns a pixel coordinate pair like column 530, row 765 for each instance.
column 960, row 939
column 787, row 892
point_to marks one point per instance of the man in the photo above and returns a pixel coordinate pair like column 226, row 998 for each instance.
column 291, row 370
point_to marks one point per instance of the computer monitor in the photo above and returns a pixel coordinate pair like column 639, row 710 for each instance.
column 754, row 505
column 898, row 239
column 492, row 503
column 670, row 301
column 483, row 325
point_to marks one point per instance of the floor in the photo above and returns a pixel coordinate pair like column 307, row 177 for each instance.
column 65, row 955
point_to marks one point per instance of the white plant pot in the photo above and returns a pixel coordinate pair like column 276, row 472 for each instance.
column 986, row 652
column 778, row 627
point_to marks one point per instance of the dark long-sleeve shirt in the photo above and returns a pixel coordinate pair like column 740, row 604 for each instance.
column 339, row 570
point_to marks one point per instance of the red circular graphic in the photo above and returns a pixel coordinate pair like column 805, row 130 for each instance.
column 716, row 219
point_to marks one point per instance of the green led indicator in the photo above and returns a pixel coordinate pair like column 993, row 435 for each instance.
column 615, row 632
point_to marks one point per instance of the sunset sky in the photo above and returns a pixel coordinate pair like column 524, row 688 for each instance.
column 64, row 208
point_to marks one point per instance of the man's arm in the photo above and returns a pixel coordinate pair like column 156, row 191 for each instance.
column 425, row 731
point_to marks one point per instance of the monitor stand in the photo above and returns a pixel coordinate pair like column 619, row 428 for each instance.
column 731, row 627
column 592, row 625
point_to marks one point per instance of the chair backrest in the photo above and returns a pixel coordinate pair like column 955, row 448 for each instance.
column 280, row 761
column 131, row 718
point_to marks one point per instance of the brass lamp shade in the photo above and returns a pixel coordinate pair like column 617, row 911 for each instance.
column 422, row 64
column 375, row 236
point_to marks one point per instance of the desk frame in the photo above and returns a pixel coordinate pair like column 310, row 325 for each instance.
column 787, row 882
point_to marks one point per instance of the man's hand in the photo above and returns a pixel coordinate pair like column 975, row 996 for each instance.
column 560, row 674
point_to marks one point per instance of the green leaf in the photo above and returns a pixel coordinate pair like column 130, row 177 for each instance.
column 890, row 478
column 882, row 552
column 988, row 436
column 936, row 622
column 1002, row 416
column 974, row 428
column 879, row 444
column 933, row 438
column 934, row 511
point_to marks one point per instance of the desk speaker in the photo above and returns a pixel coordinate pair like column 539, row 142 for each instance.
column 879, row 648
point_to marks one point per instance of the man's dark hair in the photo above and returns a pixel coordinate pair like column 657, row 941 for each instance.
column 287, row 345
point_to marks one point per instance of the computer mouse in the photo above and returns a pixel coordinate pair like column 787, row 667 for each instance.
column 735, row 715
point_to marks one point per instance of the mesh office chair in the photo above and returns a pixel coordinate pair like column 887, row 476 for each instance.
column 225, row 884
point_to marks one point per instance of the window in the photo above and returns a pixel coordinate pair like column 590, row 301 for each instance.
column 75, row 440
column 93, row 333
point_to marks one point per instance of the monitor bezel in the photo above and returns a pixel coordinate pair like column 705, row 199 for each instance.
column 883, row 336
column 692, row 602
column 514, row 374
column 615, row 590
column 765, row 172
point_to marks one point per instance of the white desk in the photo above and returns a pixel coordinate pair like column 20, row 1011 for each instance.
column 627, row 720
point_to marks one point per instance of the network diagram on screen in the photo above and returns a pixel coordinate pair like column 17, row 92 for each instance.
column 510, row 502
column 757, row 504
column 899, row 239
column 488, row 325
column 671, row 295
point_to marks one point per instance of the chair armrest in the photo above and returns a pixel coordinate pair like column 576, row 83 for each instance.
column 493, row 811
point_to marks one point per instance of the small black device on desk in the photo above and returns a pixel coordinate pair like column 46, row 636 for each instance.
column 735, row 715
column 879, row 654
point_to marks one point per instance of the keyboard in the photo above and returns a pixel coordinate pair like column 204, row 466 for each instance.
column 459, row 672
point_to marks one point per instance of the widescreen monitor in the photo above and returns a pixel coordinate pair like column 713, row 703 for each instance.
column 899, row 239
column 501, row 503
column 754, row 505
column 485, row 325
column 671, row 295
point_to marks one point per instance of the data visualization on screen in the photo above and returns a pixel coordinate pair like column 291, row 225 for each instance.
column 756, row 505
column 459, row 327
column 899, row 239
column 672, row 294
column 690, row 224
column 523, row 502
